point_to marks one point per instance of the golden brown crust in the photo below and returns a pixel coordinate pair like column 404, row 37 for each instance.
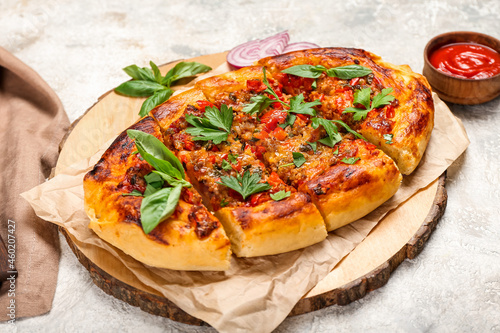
column 274, row 226
column 347, row 192
column 331, row 191
column 191, row 239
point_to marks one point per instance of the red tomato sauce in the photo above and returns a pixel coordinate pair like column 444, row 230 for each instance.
column 466, row 60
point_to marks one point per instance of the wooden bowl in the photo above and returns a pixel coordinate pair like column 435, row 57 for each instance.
column 458, row 90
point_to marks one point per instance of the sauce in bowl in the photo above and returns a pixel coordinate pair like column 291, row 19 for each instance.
column 466, row 60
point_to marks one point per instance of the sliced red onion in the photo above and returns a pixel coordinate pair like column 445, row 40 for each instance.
column 299, row 46
column 246, row 54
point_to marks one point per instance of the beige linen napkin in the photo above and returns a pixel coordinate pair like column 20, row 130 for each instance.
column 33, row 123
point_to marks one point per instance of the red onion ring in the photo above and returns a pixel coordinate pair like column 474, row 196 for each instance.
column 247, row 53
column 299, row 46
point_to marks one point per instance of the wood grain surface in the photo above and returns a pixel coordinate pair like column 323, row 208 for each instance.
column 400, row 235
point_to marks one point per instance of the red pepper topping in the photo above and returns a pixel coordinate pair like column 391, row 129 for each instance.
column 256, row 86
column 203, row 104
column 272, row 118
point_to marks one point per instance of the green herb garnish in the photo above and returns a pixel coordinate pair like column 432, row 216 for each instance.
column 314, row 145
column 298, row 159
column 388, row 138
column 215, row 125
column 363, row 97
column 158, row 203
column 314, row 72
column 134, row 193
column 350, row 160
column 149, row 82
column 246, row 185
column 333, row 135
column 297, row 104
column 159, row 206
column 280, row 195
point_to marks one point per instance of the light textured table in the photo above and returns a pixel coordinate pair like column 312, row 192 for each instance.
column 79, row 48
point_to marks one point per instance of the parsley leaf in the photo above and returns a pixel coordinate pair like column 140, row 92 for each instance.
column 226, row 165
column 363, row 97
column 388, row 138
column 232, row 158
column 280, row 195
column 259, row 104
column 333, row 135
column 350, row 160
column 246, row 185
column 209, row 127
column 298, row 159
column 297, row 105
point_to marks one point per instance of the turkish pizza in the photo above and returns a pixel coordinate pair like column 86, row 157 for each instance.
column 262, row 160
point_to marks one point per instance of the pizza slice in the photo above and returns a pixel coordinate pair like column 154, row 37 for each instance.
column 303, row 149
column 260, row 213
column 389, row 105
column 115, row 190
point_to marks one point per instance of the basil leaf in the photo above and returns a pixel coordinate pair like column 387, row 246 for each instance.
column 298, row 159
column 259, row 104
column 280, row 195
column 138, row 73
column 158, row 207
column 350, row 160
column 336, row 152
column 134, row 193
column 309, row 71
column 297, row 105
column 156, row 72
column 171, row 180
column 139, row 88
column 388, row 138
column 314, row 145
column 348, row 129
column 383, row 98
column 162, row 158
column 246, row 185
column 155, row 100
column 348, row 72
column 184, row 69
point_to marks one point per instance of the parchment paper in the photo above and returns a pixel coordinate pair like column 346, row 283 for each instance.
column 256, row 294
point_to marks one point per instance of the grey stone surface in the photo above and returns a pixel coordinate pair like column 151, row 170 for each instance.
column 79, row 48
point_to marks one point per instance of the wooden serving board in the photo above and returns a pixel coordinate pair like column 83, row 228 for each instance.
column 400, row 235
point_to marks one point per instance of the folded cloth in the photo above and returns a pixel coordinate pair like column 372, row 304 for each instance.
column 33, row 122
